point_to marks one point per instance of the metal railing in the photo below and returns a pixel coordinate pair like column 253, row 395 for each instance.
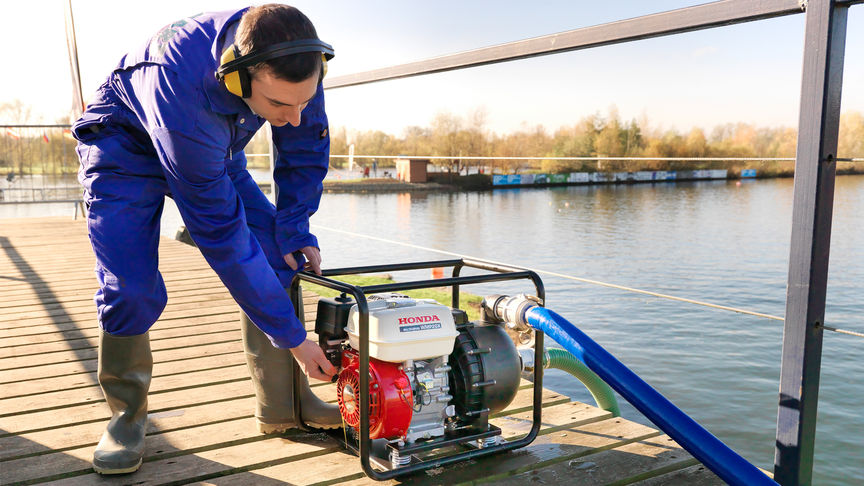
column 815, row 168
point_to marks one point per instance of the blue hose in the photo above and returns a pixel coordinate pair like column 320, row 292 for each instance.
column 718, row 457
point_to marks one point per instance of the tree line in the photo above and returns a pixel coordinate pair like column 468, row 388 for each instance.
column 595, row 135
column 24, row 151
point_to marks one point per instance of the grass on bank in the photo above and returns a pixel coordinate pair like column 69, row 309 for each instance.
column 470, row 303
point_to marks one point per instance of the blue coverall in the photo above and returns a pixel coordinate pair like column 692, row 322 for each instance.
column 161, row 125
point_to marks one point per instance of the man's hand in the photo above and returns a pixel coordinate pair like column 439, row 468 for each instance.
column 313, row 259
column 314, row 363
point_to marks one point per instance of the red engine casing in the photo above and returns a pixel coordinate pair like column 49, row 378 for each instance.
column 391, row 401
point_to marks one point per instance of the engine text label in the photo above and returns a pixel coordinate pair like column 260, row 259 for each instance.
column 420, row 327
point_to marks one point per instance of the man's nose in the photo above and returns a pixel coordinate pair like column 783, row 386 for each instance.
column 293, row 115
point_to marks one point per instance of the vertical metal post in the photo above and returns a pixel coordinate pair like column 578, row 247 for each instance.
column 274, row 189
column 824, row 44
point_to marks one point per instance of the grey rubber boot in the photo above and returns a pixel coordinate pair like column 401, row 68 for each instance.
column 125, row 369
column 273, row 379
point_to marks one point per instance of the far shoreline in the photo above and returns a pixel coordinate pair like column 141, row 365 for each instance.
column 481, row 182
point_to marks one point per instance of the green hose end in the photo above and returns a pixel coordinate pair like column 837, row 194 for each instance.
column 604, row 397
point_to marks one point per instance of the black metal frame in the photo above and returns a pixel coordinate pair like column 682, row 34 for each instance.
column 824, row 49
column 818, row 126
column 501, row 273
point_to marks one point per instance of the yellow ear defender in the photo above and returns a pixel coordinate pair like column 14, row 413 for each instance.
column 233, row 67
column 231, row 79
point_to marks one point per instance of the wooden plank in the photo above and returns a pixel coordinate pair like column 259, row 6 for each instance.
column 652, row 456
column 39, row 247
column 81, row 282
column 167, row 357
column 47, row 267
column 216, row 461
column 57, row 327
column 98, row 412
column 181, row 441
column 62, row 310
column 77, row 294
column 173, row 311
column 86, row 310
column 80, row 380
column 92, row 332
column 583, row 439
column 156, row 334
column 74, row 462
column 93, row 424
column 50, row 264
column 242, row 445
column 55, row 268
column 91, row 353
column 62, row 399
column 50, row 332
column 86, row 434
column 88, row 279
column 336, row 465
column 84, row 297
column 86, row 313
column 696, row 475
column 91, row 417
column 85, row 277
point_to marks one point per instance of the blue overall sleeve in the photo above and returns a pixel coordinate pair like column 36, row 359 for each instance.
column 302, row 158
column 192, row 144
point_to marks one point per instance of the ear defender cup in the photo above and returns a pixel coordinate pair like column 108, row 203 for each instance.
column 237, row 82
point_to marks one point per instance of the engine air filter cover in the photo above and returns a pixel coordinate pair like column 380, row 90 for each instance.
column 402, row 328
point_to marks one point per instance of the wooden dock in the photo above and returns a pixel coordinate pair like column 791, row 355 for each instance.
column 201, row 428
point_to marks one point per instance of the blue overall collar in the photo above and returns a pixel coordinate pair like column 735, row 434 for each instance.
column 221, row 100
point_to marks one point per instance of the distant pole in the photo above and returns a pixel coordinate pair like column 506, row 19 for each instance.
column 351, row 157
column 72, row 49
column 812, row 207
column 274, row 189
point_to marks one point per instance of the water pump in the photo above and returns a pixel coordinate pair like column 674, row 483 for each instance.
column 431, row 371
column 433, row 379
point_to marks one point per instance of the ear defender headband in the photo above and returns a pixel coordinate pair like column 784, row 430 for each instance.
column 234, row 70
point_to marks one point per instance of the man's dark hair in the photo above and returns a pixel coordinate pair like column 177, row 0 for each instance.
column 263, row 26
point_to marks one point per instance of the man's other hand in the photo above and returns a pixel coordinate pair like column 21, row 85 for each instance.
column 314, row 363
column 313, row 259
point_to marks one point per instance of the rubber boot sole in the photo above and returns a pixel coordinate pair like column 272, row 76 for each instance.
column 122, row 470
column 282, row 428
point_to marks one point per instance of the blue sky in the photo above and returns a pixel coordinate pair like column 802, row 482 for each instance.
column 749, row 72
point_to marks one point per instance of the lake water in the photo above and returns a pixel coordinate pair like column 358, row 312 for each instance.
column 723, row 242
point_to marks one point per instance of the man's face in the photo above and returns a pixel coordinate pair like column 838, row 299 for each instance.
column 279, row 101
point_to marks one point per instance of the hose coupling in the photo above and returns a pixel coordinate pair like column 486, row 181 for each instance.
column 510, row 310
column 526, row 359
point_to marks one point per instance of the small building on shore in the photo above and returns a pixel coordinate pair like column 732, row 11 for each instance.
column 412, row 170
